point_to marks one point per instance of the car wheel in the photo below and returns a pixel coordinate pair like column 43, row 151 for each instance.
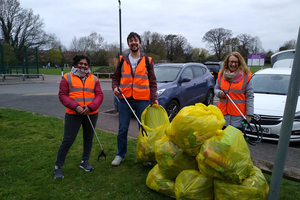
column 172, row 109
column 209, row 98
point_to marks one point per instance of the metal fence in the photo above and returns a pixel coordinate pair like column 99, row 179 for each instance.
column 29, row 65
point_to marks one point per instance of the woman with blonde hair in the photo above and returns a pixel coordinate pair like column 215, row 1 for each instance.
column 234, row 80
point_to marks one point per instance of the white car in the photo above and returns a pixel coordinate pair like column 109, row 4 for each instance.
column 283, row 59
column 270, row 93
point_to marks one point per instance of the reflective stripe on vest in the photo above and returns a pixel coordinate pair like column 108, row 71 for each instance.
column 83, row 94
column 236, row 91
column 135, row 84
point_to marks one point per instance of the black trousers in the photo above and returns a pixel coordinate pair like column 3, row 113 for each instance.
column 72, row 126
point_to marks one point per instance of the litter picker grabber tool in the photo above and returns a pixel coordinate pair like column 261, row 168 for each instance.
column 102, row 152
column 142, row 127
column 257, row 126
column 236, row 107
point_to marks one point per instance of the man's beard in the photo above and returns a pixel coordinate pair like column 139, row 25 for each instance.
column 134, row 50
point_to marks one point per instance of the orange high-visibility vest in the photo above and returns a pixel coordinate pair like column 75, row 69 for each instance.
column 236, row 91
column 137, row 84
column 83, row 94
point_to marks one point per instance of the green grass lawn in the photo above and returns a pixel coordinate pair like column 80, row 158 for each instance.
column 29, row 143
column 255, row 69
column 57, row 71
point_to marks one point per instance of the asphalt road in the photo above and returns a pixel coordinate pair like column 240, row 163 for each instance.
column 36, row 95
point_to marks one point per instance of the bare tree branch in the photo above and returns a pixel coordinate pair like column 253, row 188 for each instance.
column 216, row 39
column 20, row 27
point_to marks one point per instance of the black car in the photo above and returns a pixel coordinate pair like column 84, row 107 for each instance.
column 214, row 68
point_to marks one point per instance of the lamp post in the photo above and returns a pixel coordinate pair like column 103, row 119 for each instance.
column 120, row 27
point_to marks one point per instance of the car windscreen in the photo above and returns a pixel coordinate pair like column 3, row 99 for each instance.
column 166, row 74
column 271, row 83
column 213, row 67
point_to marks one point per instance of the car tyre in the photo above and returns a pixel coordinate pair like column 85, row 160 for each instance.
column 209, row 98
column 172, row 109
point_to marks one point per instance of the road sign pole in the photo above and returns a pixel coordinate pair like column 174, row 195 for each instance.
column 287, row 124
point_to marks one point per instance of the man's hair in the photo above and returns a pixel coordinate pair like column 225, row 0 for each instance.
column 133, row 35
column 77, row 59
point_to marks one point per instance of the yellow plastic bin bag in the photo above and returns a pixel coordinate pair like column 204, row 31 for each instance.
column 157, row 182
column 171, row 159
column 225, row 156
column 193, row 125
column 255, row 187
column 191, row 184
column 154, row 120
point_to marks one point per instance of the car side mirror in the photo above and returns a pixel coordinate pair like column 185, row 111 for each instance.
column 185, row 79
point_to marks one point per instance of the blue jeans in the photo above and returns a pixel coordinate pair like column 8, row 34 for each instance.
column 125, row 115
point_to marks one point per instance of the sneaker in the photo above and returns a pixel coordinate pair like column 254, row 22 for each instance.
column 58, row 173
column 147, row 163
column 117, row 161
column 86, row 166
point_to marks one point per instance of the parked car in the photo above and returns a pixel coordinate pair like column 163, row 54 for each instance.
column 214, row 68
column 182, row 84
column 270, row 93
column 283, row 58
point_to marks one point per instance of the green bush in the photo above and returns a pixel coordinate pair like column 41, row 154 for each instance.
column 105, row 69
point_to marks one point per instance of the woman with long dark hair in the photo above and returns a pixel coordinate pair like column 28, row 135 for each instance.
column 81, row 94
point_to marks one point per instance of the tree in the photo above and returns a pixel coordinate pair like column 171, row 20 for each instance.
column 200, row 55
column 92, row 43
column 101, row 58
column 55, row 56
column 20, row 27
column 153, row 44
column 216, row 39
column 55, row 43
column 146, row 41
column 256, row 46
column 291, row 44
column 195, row 55
column 204, row 53
column 170, row 40
column 9, row 56
column 245, row 43
column 177, row 47
column 230, row 45
column 268, row 56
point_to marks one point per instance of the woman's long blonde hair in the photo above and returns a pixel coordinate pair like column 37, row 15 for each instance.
column 242, row 64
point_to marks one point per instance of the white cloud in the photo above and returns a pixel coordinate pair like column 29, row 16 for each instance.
column 273, row 21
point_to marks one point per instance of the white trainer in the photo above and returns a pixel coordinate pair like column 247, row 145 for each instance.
column 117, row 161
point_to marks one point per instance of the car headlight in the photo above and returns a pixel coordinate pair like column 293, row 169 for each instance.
column 297, row 116
column 159, row 92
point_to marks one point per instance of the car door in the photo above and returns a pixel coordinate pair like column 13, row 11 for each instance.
column 200, row 83
column 189, row 89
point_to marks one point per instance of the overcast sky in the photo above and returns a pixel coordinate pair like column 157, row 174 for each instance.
column 273, row 21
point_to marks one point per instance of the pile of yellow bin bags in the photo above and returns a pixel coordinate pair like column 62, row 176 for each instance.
column 195, row 158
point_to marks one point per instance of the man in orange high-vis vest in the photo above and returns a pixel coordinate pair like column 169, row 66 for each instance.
column 81, row 94
column 135, row 77
column 234, row 79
